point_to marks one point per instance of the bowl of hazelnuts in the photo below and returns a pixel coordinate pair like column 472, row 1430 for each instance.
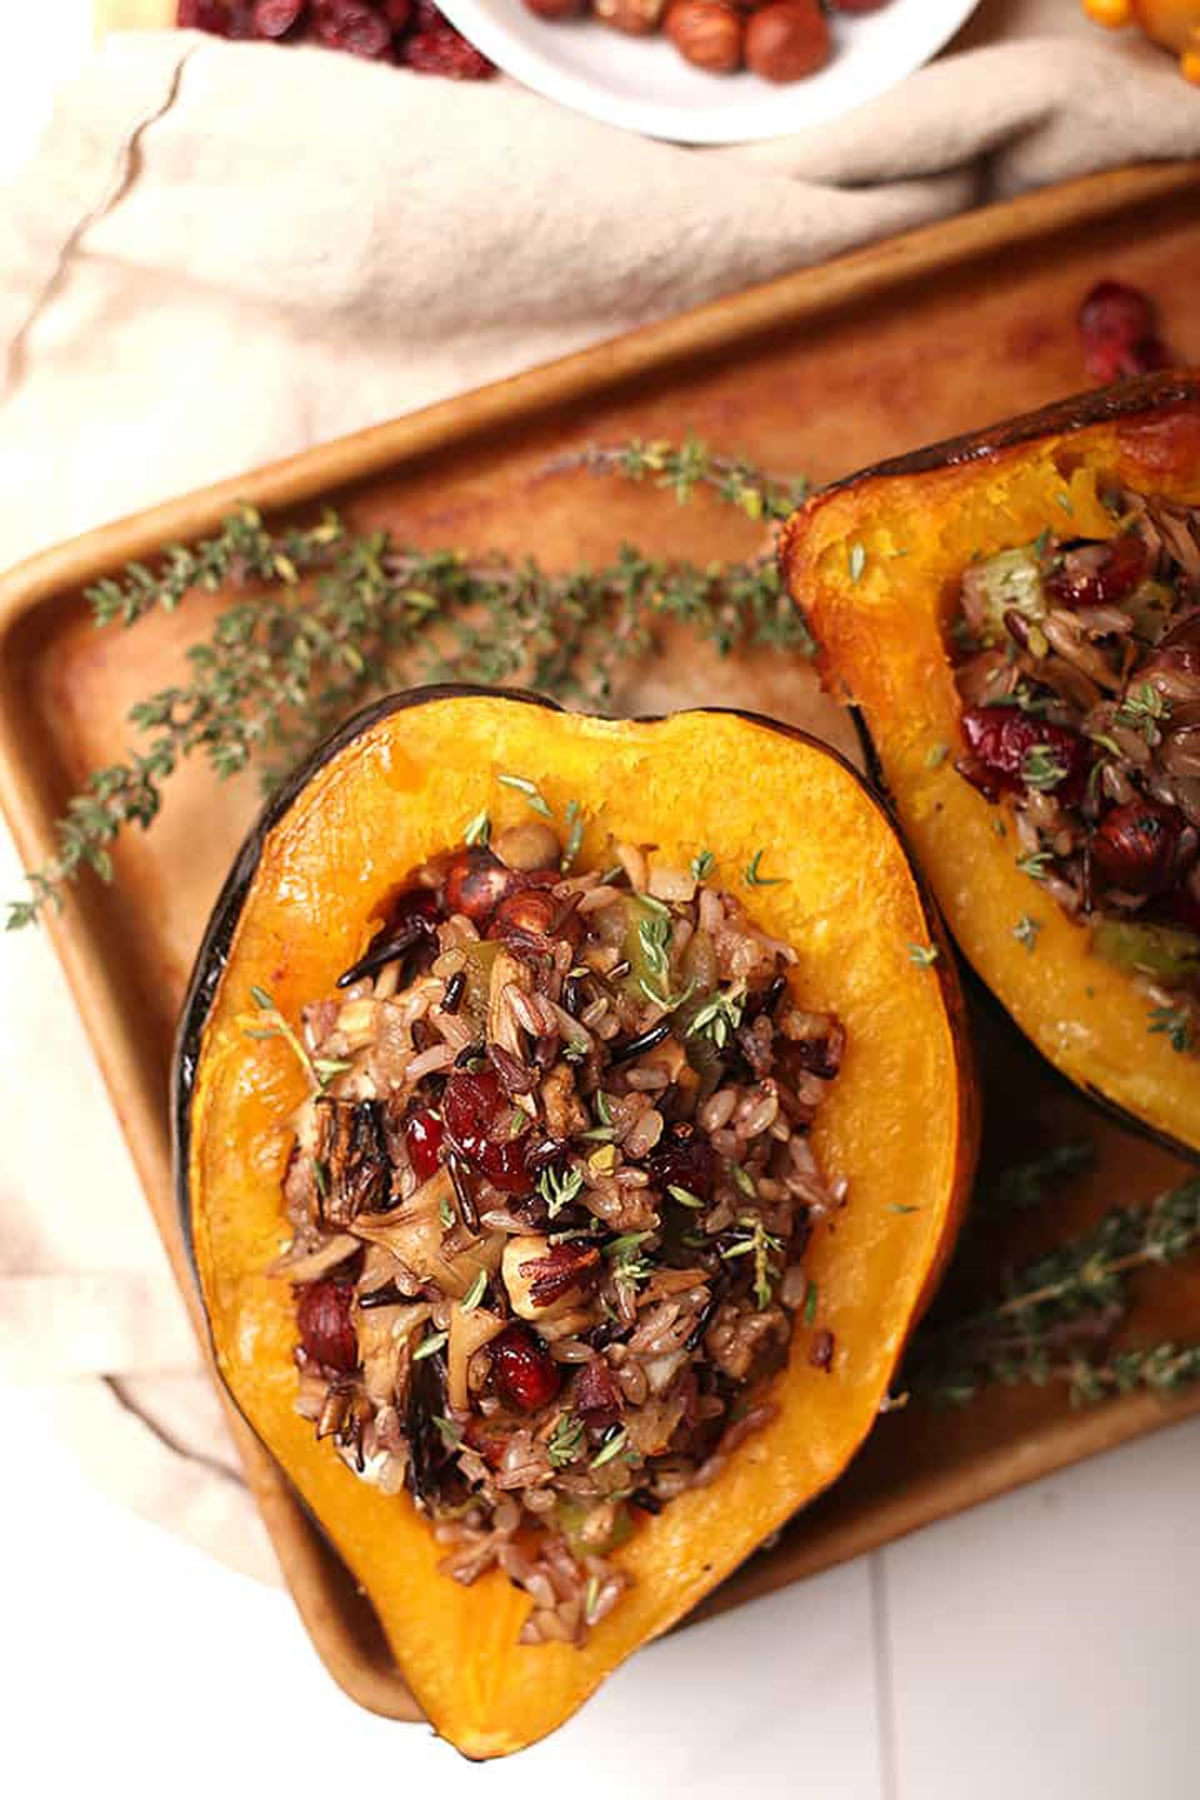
column 710, row 71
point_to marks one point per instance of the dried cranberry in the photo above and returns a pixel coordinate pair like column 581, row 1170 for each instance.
column 595, row 1397
column 441, row 50
column 1117, row 326
column 326, row 1325
column 423, row 1137
column 683, row 1158
column 525, row 1374
column 1002, row 741
column 398, row 13
column 1137, row 846
column 475, row 884
column 354, row 26
column 275, row 18
column 205, row 15
column 1099, row 574
column 473, row 1105
column 1115, row 313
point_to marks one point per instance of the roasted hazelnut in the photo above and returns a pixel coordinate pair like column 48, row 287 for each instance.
column 708, row 33
column 475, row 883
column 532, row 845
column 1140, row 846
column 787, row 40
column 639, row 17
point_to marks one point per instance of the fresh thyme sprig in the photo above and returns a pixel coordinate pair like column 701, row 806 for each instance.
column 753, row 1239
column 683, row 468
column 1057, row 1317
column 333, row 619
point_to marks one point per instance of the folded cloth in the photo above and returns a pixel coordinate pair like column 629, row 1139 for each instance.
column 226, row 252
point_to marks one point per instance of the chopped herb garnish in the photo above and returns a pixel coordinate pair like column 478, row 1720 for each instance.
column 479, row 831
column 654, row 940
column 810, row 1302
column 269, row 1022
column 563, row 1444
column 559, row 1190
column 629, row 1240
column 628, row 1266
column 744, row 1180
column 613, row 1446
column 1026, row 932
column 603, row 1109
column 1035, row 864
column 450, row 1432
column 475, row 1292
column 936, row 755
column 898, row 1206
column 446, row 1211
column 1064, row 500
column 754, row 878
column 856, row 559
column 430, row 1346
column 924, row 955
column 1176, row 1024
column 1041, row 542
column 762, row 1245
column 1145, row 712
column 685, row 1197
column 603, row 1160
column 718, row 1017
column 591, row 1600
column 1042, row 768
column 522, row 785
column 703, row 865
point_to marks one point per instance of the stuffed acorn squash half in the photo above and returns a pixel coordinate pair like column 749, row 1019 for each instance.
column 573, row 1117
column 1016, row 617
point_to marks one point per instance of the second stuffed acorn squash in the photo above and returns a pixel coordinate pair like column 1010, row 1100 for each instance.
column 473, row 1203
column 1016, row 617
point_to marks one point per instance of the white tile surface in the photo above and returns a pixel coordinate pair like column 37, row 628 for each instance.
column 1045, row 1645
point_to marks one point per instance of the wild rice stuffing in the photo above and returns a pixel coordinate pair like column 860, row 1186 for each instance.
column 1079, row 669
column 551, row 1198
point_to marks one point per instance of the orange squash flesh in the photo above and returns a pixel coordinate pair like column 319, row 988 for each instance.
column 875, row 564
column 900, row 1123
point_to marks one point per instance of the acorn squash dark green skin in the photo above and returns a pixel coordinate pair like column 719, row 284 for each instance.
column 881, row 650
column 233, row 1102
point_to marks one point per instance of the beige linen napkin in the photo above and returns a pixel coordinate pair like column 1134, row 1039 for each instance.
column 226, row 252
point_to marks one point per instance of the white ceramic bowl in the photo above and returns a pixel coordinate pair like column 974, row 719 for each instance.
column 644, row 84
